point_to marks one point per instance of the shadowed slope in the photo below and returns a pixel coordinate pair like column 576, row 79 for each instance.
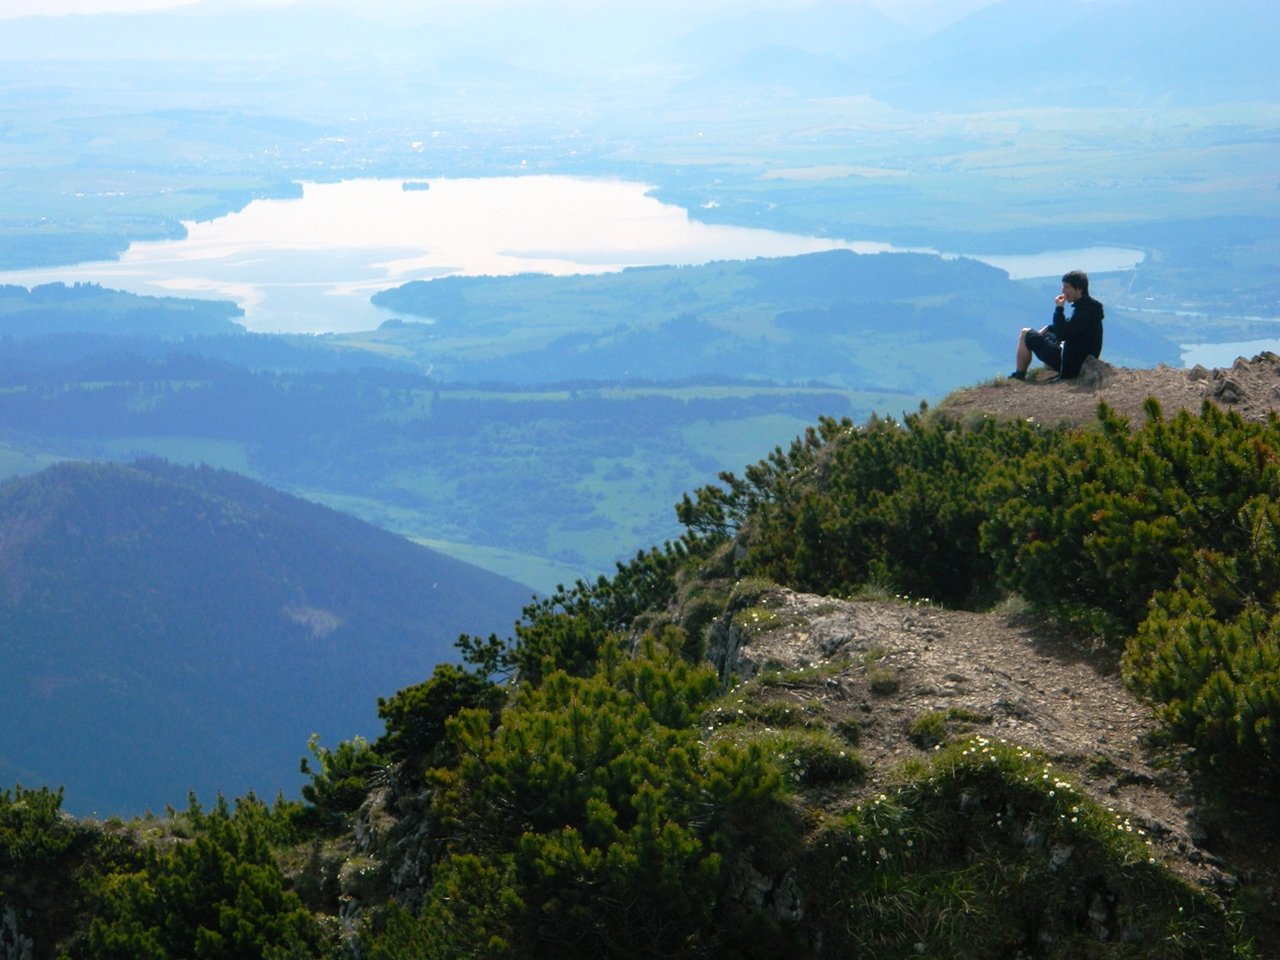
column 165, row 628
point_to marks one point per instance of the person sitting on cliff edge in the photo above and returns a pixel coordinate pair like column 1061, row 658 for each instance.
column 1064, row 344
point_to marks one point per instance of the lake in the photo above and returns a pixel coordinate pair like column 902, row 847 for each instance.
column 1225, row 354
column 310, row 264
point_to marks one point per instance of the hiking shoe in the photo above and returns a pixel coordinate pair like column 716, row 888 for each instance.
column 1018, row 375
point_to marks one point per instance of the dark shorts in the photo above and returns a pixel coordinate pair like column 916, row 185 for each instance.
column 1046, row 348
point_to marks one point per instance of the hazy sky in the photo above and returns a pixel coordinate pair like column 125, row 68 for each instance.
column 915, row 12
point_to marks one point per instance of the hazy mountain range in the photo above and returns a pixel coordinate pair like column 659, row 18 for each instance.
column 1164, row 52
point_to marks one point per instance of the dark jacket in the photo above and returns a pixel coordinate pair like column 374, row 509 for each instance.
column 1081, row 335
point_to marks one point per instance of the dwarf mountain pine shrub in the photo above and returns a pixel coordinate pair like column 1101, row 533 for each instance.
column 889, row 503
column 563, row 631
column 1091, row 529
column 219, row 895
column 43, row 854
column 592, row 816
column 1214, row 683
column 339, row 783
column 415, row 717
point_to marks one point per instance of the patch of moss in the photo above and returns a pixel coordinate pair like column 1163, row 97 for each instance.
column 756, row 619
column 809, row 757
column 849, row 730
column 935, row 727
column 749, row 590
column 883, row 681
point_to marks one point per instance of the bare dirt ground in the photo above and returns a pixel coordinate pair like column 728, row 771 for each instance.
column 1020, row 683
column 1032, row 686
column 1251, row 387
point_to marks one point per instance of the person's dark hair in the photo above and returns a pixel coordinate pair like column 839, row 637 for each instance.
column 1078, row 279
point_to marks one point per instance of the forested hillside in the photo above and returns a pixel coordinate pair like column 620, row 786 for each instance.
column 594, row 786
column 87, row 308
column 867, row 322
column 165, row 628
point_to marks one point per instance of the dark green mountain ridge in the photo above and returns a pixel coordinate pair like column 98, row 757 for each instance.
column 165, row 628
column 84, row 307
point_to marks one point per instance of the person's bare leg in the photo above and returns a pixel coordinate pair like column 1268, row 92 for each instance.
column 1024, row 354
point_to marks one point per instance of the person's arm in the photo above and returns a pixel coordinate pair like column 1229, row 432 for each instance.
column 1057, row 326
